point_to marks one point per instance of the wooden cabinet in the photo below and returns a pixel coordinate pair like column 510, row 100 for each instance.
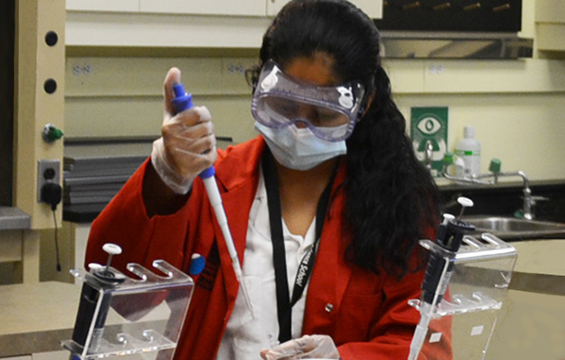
column 550, row 25
column 103, row 5
column 209, row 7
column 176, row 23
column 373, row 8
column 195, row 7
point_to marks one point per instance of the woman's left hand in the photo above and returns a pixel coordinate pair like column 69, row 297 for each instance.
column 306, row 347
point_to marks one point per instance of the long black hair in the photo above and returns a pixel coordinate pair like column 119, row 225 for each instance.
column 391, row 198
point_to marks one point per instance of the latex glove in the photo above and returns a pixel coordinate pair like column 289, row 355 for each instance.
column 306, row 347
column 187, row 145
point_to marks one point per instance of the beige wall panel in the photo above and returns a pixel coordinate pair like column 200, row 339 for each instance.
column 101, row 76
column 524, row 131
column 144, row 76
column 142, row 116
column 467, row 76
column 406, row 76
column 113, row 97
column 232, row 117
column 494, row 76
column 113, row 117
column 524, row 127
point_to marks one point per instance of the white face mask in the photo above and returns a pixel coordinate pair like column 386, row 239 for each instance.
column 299, row 149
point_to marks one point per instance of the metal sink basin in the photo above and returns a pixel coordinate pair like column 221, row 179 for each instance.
column 508, row 228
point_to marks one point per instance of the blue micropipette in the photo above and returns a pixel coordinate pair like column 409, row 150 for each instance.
column 182, row 102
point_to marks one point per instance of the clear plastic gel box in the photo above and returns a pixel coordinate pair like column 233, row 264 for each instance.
column 463, row 323
column 120, row 315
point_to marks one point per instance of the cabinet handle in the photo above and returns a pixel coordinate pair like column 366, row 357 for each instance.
column 411, row 6
column 442, row 6
column 501, row 8
column 472, row 7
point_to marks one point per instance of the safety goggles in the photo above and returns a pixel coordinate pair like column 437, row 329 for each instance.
column 330, row 112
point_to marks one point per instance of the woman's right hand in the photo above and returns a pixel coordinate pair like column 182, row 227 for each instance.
column 187, row 145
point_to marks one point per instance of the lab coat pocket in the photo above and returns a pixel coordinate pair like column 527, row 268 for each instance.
column 357, row 314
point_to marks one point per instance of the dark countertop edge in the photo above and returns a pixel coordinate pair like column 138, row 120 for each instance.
column 86, row 213
column 82, row 213
column 452, row 186
column 12, row 218
column 538, row 283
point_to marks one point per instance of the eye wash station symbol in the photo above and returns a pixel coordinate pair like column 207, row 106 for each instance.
column 429, row 142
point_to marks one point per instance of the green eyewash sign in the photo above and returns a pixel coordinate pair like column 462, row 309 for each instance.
column 428, row 128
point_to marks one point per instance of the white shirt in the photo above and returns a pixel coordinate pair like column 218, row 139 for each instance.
column 245, row 335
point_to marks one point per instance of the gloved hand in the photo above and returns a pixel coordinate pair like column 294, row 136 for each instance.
column 187, row 145
column 306, row 347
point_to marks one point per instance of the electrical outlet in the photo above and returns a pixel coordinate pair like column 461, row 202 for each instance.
column 48, row 171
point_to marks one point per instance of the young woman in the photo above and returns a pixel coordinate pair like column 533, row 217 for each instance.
column 325, row 206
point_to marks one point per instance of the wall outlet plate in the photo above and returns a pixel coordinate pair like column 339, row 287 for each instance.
column 48, row 171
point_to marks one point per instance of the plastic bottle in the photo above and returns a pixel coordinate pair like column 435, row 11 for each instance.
column 469, row 149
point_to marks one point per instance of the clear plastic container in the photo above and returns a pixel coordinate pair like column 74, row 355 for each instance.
column 469, row 150
column 463, row 323
column 120, row 315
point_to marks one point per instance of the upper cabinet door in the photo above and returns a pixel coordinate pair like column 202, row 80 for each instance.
column 103, row 5
column 209, row 7
column 176, row 23
column 206, row 7
column 373, row 8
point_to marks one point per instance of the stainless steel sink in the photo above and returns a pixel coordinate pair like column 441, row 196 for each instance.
column 508, row 228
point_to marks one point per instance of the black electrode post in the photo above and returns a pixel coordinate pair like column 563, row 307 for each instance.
column 97, row 283
column 449, row 236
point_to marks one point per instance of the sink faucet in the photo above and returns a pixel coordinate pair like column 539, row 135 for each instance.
column 528, row 199
column 428, row 154
column 492, row 178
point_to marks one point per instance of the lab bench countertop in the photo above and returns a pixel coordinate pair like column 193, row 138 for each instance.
column 540, row 267
column 36, row 317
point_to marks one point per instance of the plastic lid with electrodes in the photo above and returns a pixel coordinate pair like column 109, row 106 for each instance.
column 447, row 218
column 104, row 272
column 465, row 203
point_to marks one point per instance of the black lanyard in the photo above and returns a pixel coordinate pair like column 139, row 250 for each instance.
column 284, row 302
